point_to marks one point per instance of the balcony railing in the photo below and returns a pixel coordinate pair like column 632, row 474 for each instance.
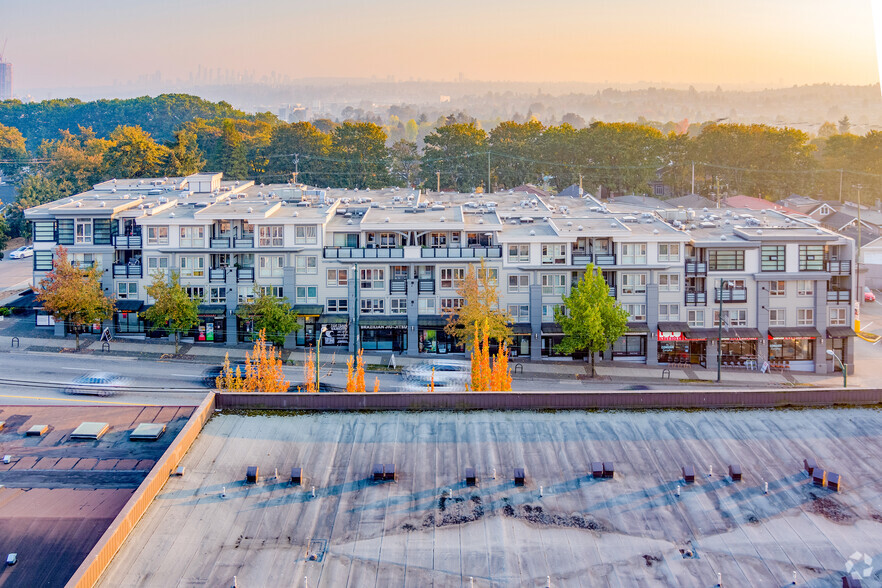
column 245, row 274
column 603, row 259
column 581, row 257
column 492, row 251
column 217, row 274
column 838, row 267
column 397, row 286
column 427, row 286
column 362, row 253
column 612, row 291
column 696, row 298
column 696, row 268
column 127, row 270
column 838, row 295
column 243, row 242
column 127, row 241
column 731, row 294
column 220, row 243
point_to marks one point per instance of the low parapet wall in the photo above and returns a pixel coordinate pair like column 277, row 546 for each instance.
column 644, row 399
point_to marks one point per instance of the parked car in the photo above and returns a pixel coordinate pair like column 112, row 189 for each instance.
column 97, row 384
column 210, row 375
column 448, row 375
column 23, row 251
column 868, row 295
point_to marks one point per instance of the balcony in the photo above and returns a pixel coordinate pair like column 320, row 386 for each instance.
column 217, row 274
column 492, row 251
column 243, row 242
column 838, row 295
column 427, row 286
column 842, row 268
column 730, row 295
column 604, row 259
column 245, row 274
column 696, row 268
column 127, row 270
column 612, row 291
column 696, row 298
column 127, row 242
column 397, row 286
column 362, row 253
column 581, row 257
column 220, row 243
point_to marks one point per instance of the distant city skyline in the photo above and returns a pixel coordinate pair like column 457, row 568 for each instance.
column 58, row 45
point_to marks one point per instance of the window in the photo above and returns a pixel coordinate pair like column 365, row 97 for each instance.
column 305, row 294
column 811, row 258
column 492, row 275
column 519, row 253
column 246, row 293
column 192, row 266
column 338, row 305
column 157, row 264
column 157, row 235
column 103, row 230
column 777, row 317
column 633, row 283
column 669, row 312
column 305, row 264
column 399, row 272
column 772, row 258
column 271, row 266
column 805, row 317
column 805, row 287
column 839, row 317
column 303, row 235
column 695, row 318
column 518, row 283
column 195, row 292
column 629, row 346
column 44, row 231
column 669, row 252
column 274, row 291
column 554, row 284
column 217, row 295
column 427, row 306
column 519, row 312
column 338, row 277
column 83, row 231
column 554, row 254
column 372, row 305
column 778, row 288
column 452, row 277
column 548, row 311
column 637, row 312
column 82, row 260
column 633, row 253
column 451, row 304
column 398, row 306
column 669, row 282
column 438, row 239
column 271, row 236
column 43, row 261
column 731, row 318
column 372, row 279
column 192, row 237
column 126, row 290
column 720, row 260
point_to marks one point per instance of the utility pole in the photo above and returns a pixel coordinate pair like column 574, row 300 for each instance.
column 693, row 178
column 581, row 192
column 489, row 188
column 717, row 188
column 296, row 166
column 438, row 174
column 840, row 186
column 857, row 256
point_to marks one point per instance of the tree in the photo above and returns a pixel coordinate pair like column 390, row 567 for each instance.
column 361, row 159
column 12, row 150
column 303, row 141
column 73, row 294
column 459, row 152
column 487, row 376
column 272, row 315
column 75, row 162
column 173, row 307
column 133, row 154
column 844, row 125
column 183, row 156
column 263, row 371
column 34, row 190
column 232, row 155
column 480, row 306
column 405, row 164
column 513, row 146
column 593, row 319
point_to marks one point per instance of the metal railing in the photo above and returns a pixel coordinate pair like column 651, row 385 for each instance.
column 838, row 295
column 731, row 294
column 838, row 267
column 426, row 286
column 127, row 241
column 697, row 298
column 243, row 242
column 604, row 259
column 217, row 274
column 362, row 253
column 220, row 243
column 397, row 286
column 127, row 270
column 245, row 274
column 492, row 251
column 696, row 268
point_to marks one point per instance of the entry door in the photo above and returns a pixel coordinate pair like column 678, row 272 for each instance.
column 839, row 349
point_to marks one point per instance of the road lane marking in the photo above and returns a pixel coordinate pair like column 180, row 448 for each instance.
column 77, row 400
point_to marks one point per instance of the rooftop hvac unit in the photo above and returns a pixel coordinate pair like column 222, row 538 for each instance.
column 147, row 432
column 519, row 477
column 597, row 469
column 629, row 219
column 11, row 559
column 89, row 431
column 809, row 464
column 37, row 431
column 470, row 478
column 735, row 472
column 688, row 474
column 251, row 475
column 296, row 476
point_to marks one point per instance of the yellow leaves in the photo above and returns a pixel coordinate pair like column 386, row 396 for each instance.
column 355, row 379
column 359, row 372
column 350, row 376
column 487, row 377
column 480, row 295
column 376, row 384
column 309, row 372
column 263, row 371
column 431, row 387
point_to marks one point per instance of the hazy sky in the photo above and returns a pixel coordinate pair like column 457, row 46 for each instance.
column 65, row 43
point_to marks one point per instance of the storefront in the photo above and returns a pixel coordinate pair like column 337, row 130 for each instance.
column 838, row 340
column 433, row 339
column 679, row 345
column 793, row 348
column 384, row 333
column 307, row 317
column 631, row 346
column 551, row 336
column 520, row 340
column 336, row 330
column 212, row 326
column 127, row 318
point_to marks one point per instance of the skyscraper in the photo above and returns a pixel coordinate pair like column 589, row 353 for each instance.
column 5, row 80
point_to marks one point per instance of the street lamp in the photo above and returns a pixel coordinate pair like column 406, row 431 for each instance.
column 841, row 366
column 318, row 358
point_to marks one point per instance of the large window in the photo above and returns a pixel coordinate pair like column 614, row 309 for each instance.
column 731, row 318
column 304, row 235
column 630, row 346
column 633, row 284
column 372, row 279
column 338, row 277
column 669, row 282
column 839, row 317
column 721, row 260
column 633, row 253
column 271, row 266
column 305, row 295
column 452, row 277
column 44, row 231
column 338, row 305
column 778, row 288
column 518, row 283
column 157, row 264
column 195, row 292
column 791, row 349
column 554, row 254
column 695, row 318
column 519, row 253
column 126, row 290
column 811, row 258
column 805, row 287
column 398, row 306
column 519, row 312
column 427, row 305
column 271, row 236
column 192, row 237
column 554, row 284
column 669, row 252
column 192, row 266
column 805, row 317
column 777, row 317
column 491, row 274
column 217, row 295
column 772, row 258
column 548, row 311
column 83, row 231
column 451, row 304
column 438, row 239
column 636, row 312
column 43, row 261
column 157, row 235
column 305, row 264
column 372, row 305
column 669, row 312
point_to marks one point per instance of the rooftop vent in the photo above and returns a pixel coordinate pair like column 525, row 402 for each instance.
column 532, row 233
column 629, row 219
column 250, row 210
column 519, row 477
column 470, row 478
column 579, row 228
column 386, row 219
column 480, row 221
column 251, row 475
column 147, row 432
column 79, row 205
column 89, row 431
column 296, row 476
column 171, row 215
column 37, row 431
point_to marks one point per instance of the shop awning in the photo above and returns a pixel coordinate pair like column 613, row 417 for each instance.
column 551, row 329
column 793, row 333
column 382, row 322
column 638, row 328
column 673, row 326
column 212, row 310
column 839, row 332
column 308, row 309
column 127, row 305
column 334, row 319
column 521, row 329
column 731, row 334
column 434, row 321
column 673, row 331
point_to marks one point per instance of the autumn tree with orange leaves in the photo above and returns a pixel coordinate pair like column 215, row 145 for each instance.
column 263, row 371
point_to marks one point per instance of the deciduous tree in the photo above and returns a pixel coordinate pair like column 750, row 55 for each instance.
column 172, row 308
column 270, row 314
column 263, row 371
column 480, row 294
column 133, row 154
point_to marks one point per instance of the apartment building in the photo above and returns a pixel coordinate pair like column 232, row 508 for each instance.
column 379, row 269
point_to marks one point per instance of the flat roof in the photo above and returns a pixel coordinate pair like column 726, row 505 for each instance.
column 429, row 528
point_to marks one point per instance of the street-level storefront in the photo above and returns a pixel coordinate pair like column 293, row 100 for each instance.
column 793, row 348
column 212, row 327
column 308, row 318
column 383, row 333
column 680, row 345
column 127, row 317
column 740, row 348
column 433, row 339
column 839, row 340
column 336, row 330
column 631, row 346
column 520, row 340
column 551, row 336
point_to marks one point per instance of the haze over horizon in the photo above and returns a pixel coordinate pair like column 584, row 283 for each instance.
column 57, row 45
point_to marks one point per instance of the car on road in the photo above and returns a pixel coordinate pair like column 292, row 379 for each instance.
column 210, row 375
column 21, row 252
column 97, row 384
column 447, row 375
column 868, row 295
